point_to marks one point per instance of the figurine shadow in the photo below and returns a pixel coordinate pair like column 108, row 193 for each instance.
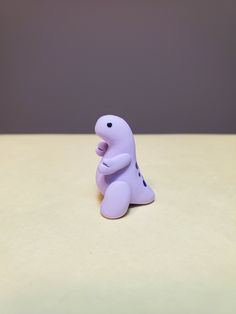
column 134, row 206
column 99, row 197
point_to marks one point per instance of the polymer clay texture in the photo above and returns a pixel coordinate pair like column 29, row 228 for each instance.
column 118, row 175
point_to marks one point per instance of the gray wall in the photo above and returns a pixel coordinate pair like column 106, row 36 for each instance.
column 165, row 66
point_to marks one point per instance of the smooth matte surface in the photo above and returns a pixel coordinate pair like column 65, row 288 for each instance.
column 164, row 66
column 58, row 255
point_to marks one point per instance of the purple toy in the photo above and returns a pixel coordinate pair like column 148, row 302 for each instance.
column 118, row 176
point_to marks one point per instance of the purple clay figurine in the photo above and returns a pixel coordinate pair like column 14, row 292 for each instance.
column 118, row 176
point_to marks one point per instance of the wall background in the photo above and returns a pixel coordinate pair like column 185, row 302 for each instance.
column 166, row 66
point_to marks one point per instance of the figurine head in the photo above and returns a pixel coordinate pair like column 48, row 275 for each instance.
column 113, row 129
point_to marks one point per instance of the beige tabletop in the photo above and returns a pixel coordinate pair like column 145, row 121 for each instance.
column 59, row 256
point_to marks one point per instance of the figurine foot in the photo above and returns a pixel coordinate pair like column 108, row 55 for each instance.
column 116, row 200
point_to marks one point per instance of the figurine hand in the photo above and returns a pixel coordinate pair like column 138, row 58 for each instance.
column 107, row 162
column 111, row 165
column 101, row 148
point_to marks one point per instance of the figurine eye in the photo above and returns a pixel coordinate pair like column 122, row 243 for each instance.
column 109, row 125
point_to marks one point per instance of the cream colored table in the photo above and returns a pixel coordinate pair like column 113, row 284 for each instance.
column 59, row 256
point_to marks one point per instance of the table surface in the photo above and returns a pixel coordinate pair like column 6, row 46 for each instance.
column 176, row 255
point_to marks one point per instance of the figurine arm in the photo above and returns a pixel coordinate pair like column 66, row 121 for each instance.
column 101, row 148
column 111, row 165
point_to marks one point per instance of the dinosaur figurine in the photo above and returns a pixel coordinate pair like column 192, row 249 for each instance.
column 118, row 175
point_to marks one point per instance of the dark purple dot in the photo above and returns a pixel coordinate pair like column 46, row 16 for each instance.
column 139, row 174
column 136, row 165
column 144, row 183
